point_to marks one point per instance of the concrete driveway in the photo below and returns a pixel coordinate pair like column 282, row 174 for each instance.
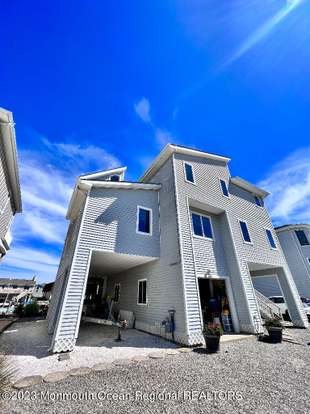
column 27, row 344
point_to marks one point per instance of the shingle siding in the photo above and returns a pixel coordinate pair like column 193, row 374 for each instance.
column 6, row 211
column 297, row 259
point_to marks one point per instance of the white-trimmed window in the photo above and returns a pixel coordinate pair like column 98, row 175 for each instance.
column 270, row 239
column 117, row 292
column 224, row 188
column 115, row 177
column 142, row 292
column 302, row 238
column 144, row 220
column 189, row 173
column 245, row 232
column 202, row 226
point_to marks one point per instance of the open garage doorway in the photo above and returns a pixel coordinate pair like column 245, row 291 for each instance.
column 214, row 302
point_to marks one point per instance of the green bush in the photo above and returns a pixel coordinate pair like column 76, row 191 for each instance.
column 273, row 323
column 19, row 310
column 32, row 309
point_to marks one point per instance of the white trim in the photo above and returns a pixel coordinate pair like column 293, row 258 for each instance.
column 184, row 171
column 251, row 188
column 180, row 244
column 119, row 291
column 115, row 171
column 272, row 248
column 192, row 227
column 226, row 183
column 151, row 221
column 146, row 295
column 172, row 149
column 244, row 241
column 292, row 227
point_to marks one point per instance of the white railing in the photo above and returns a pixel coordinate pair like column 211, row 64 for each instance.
column 267, row 308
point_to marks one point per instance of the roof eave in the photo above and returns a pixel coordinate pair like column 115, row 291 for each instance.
column 9, row 144
column 169, row 150
column 240, row 182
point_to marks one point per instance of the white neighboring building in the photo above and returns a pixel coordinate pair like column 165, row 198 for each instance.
column 10, row 196
column 295, row 243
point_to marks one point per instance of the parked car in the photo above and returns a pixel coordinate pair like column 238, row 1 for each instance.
column 279, row 301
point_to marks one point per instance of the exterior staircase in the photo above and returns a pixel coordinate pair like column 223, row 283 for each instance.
column 267, row 308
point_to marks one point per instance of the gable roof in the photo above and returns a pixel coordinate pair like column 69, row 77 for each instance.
column 8, row 141
column 172, row 148
column 16, row 282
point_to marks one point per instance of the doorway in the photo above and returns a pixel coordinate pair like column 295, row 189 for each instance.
column 214, row 303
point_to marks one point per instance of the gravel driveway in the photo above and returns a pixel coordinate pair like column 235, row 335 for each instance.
column 245, row 377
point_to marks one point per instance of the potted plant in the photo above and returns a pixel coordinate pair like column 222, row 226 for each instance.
column 212, row 333
column 274, row 328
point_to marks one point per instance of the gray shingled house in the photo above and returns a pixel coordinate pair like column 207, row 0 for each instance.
column 10, row 196
column 184, row 240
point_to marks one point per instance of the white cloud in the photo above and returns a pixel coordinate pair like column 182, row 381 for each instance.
column 142, row 109
column 289, row 184
column 26, row 262
column 47, row 177
column 162, row 135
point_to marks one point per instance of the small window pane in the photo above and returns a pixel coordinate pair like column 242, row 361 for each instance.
column 197, row 227
column 114, row 178
column 189, row 173
column 271, row 239
column 302, row 237
column 116, row 293
column 245, row 232
column 259, row 201
column 144, row 221
column 207, row 229
column 142, row 292
column 224, row 188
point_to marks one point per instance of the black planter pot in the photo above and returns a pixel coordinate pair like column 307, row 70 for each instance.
column 275, row 334
column 212, row 343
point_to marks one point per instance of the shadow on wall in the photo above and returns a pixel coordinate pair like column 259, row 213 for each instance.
column 118, row 223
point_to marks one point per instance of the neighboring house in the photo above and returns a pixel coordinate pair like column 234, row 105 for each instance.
column 15, row 290
column 10, row 196
column 295, row 243
column 37, row 292
column 48, row 290
column 184, row 240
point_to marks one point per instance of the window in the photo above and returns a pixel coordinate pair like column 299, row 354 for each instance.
column 202, row 226
column 114, row 177
column 117, row 290
column 301, row 236
column 142, row 298
column 144, row 220
column 309, row 259
column 271, row 239
column 245, row 232
column 189, row 174
column 224, row 188
column 259, row 201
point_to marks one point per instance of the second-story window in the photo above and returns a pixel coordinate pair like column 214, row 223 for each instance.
column 259, row 201
column 224, row 188
column 114, row 177
column 302, row 238
column 189, row 173
column 245, row 232
column 271, row 239
column 144, row 220
column 202, row 226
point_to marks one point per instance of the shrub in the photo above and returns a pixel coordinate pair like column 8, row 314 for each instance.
column 19, row 309
column 6, row 374
column 273, row 323
column 213, row 329
column 32, row 309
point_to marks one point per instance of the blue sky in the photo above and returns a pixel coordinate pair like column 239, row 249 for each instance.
column 98, row 84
